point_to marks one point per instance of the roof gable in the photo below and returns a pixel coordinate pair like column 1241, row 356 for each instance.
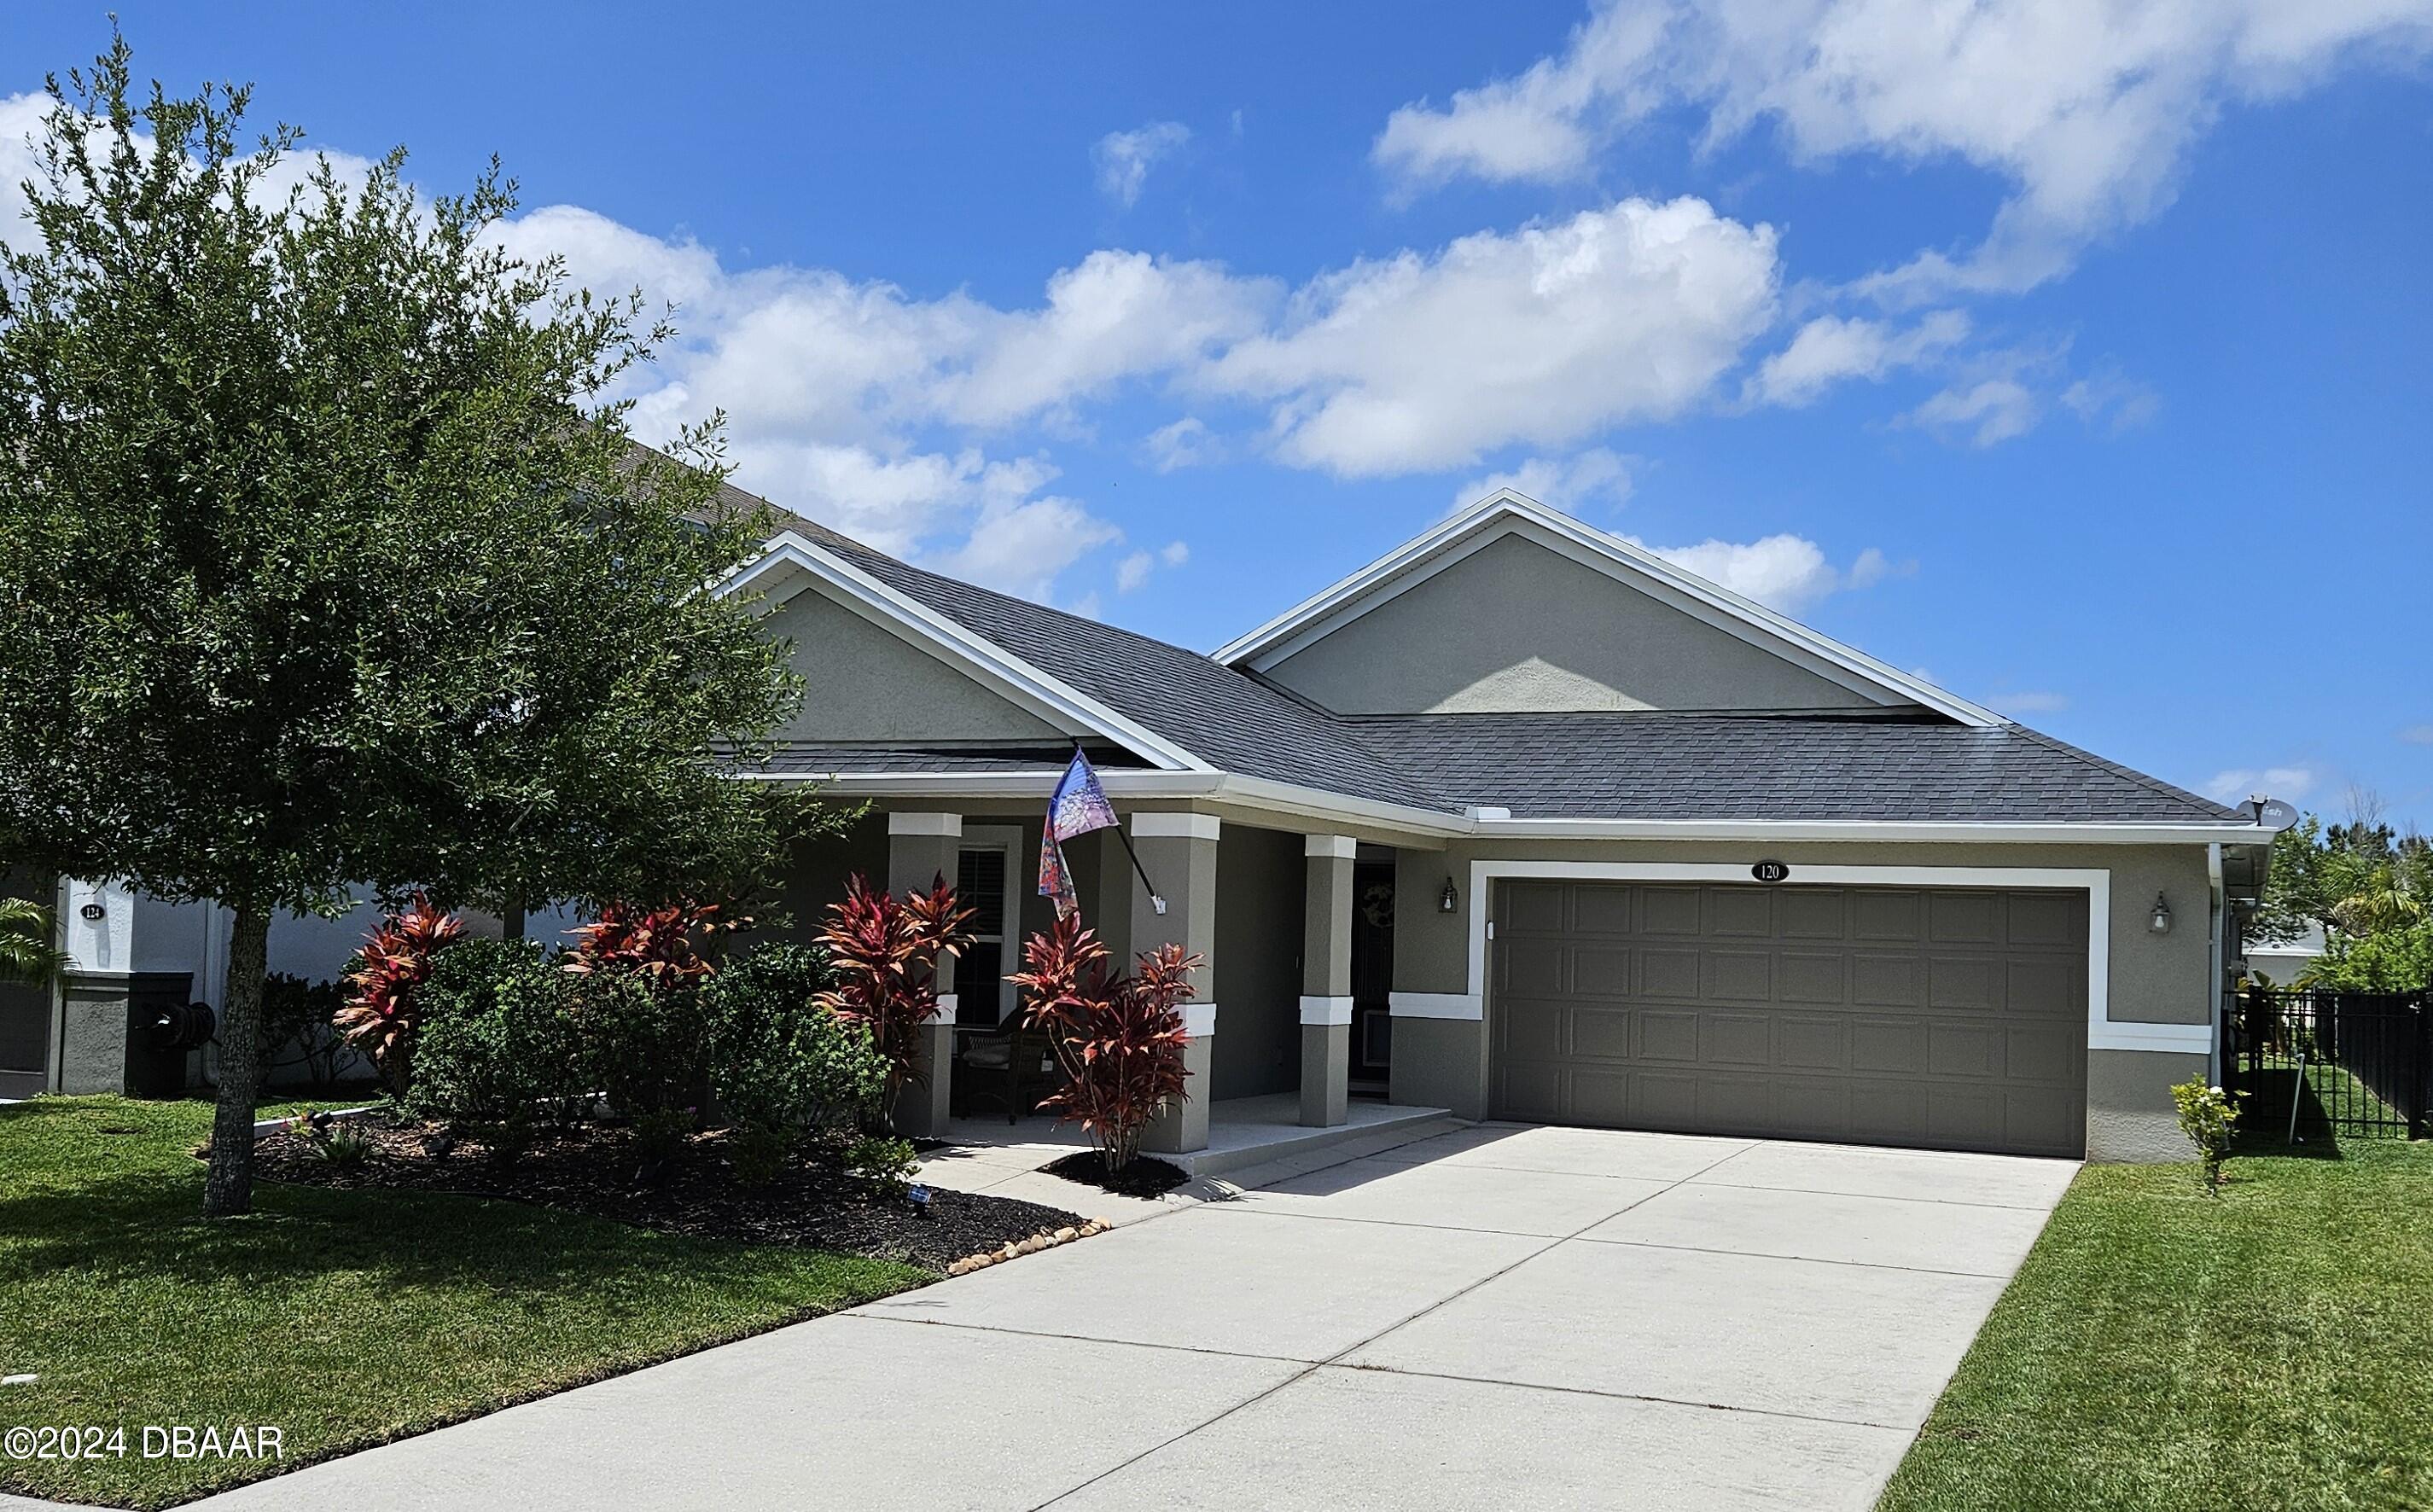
column 1505, row 515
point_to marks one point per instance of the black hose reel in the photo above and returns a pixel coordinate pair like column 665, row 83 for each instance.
column 182, row 1026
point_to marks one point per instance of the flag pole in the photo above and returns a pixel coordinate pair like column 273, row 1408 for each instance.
column 1124, row 833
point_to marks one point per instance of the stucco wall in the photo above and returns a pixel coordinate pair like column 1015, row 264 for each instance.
column 863, row 683
column 1517, row 626
column 1260, row 878
column 2152, row 979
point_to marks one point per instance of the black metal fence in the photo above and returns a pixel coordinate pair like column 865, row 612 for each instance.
column 2330, row 1063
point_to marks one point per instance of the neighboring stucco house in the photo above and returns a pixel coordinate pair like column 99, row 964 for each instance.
column 1523, row 822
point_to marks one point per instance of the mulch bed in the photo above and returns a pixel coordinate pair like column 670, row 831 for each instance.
column 593, row 1170
column 1144, row 1177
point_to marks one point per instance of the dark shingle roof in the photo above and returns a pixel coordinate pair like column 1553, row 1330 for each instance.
column 1634, row 765
column 1718, row 766
column 1234, row 723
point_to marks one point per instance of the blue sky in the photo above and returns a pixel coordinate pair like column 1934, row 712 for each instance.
column 2072, row 352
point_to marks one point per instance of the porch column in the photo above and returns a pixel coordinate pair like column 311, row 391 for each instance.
column 922, row 848
column 1179, row 851
column 1326, row 981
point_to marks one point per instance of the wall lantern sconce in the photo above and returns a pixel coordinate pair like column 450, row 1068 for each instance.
column 1449, row 901
column 2161, row 922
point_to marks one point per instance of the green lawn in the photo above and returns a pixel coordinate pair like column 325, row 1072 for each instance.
column 344, row 1317
column 2160, row 1349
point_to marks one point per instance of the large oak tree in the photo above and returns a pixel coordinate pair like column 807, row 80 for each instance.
column 325, row 558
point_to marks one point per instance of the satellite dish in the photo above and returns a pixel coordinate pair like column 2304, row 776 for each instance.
column 2271, row 813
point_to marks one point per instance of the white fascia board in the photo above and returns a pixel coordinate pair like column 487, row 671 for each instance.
column 1502, row 512
column 990, row 663
column 1837, row 829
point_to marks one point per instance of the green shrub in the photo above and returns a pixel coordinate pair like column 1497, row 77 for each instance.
column 887, row 1161
column 295, row 1022
column 646, row 1041
column 2209, row 1118
column 497, row 1058
column 784, row 1068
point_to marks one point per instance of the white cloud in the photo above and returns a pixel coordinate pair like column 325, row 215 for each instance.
column 1544, row 124
column 1830, row 349
column 2083, row 107
column 2417, row 735
column 1124, row 158
column 1185, row 443
column 1592, row 478
column 1414, row 362
column 2235, row 785
column 1989, row 411
column 2109, row 401
column 1786, row 572
column 1134, row 570
column 2029, row 703
column 1020, row 546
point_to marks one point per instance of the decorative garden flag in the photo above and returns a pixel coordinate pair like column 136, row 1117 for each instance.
column 1078, row 807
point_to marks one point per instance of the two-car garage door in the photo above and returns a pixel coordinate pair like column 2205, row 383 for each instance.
column 1946, row 1018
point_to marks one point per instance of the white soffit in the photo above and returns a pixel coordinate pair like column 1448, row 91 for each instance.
column 1506, row 513
column 816, row 569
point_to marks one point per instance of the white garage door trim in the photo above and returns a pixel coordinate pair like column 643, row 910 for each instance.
column 2102, row 1033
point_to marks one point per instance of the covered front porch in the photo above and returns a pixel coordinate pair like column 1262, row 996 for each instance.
column 1290, row 1031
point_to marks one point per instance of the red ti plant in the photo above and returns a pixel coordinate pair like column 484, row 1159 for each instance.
column 886, row 953
column 1121, row 1040
column 380, row 1015
column 664, row 943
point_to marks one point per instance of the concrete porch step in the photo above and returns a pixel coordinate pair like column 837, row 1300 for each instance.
column 1239, row 1150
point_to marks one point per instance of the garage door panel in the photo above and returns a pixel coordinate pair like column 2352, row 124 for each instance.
column 1602, row 1097
column 1804, row 977
column 1813, row 914
column 1964, row 984
column 1737, row 1039
column 1533, row 1092
column 1533, row 908
column 1973, row 1050
column 1738, row 912
column 1892, row 1046
column 1667, row 1035
column 2049, row 919
column 1601, row 911
column 1813, row 1044
column 1887, row 913
column 1601, row 971
column 1668, row 911
column 1672, row 974
column 1887, row 981
column 1533, row 1030
column 1895, row 1015
column 1736, row 976
column 1600, row 1032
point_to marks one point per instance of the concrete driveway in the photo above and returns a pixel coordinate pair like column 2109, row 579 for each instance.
column 1498, row 1317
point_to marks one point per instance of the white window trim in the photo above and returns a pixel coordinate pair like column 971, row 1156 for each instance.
column 1007, row 839
column 2103, row 1031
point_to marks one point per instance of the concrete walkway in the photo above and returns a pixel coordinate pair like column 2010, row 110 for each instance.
column 1496, row 1317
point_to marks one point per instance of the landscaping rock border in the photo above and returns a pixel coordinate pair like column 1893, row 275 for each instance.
column 1042, row 1240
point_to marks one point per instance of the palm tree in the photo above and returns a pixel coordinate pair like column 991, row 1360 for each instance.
column 27, row 954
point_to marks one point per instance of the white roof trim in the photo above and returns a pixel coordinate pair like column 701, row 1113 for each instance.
column 1507, row 512
column 987, row 662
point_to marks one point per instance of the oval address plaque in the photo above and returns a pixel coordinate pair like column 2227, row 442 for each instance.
column 1770, row 870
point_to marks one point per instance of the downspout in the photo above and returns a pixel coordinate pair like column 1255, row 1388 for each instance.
column 2218, row 993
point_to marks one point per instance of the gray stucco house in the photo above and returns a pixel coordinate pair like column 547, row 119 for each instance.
column 1523, row 822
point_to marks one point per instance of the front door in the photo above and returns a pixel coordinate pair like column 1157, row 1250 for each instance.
column 1373, row 970
column 25, row 1012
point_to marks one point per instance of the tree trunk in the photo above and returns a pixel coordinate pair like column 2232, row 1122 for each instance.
column 511, row 916
column 228, row 1189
